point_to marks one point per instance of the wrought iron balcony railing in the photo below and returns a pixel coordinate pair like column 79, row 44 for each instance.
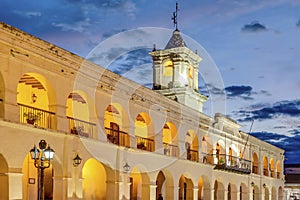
column 232, row 163
column 117, row 137
column 81, row 127
column 171, row 149
column 146, row 144
column 36, row 116
column 192, row 155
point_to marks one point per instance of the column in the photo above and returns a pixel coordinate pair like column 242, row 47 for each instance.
column 226, row 194
column 238, row 194
column 60, row 187
column 153, row 187
column 112, row 189
column 61, row 122
column 212, row 194
column 195, row 193
column 176, row 191
column 15, row 185
column 124, row 187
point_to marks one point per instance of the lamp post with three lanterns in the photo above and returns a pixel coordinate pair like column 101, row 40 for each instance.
column 42, row 157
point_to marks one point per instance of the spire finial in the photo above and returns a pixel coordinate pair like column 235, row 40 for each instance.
column 174, row 18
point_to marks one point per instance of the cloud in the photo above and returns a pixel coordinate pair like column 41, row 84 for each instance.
column 28, row 14
column 262, row 112
column 130, row 60
column 242, row 91
column 289, row 144
column 253, row 27
column 77, row 26
column 112, row 32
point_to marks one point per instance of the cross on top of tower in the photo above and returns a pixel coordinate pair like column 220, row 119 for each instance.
column 174, row 18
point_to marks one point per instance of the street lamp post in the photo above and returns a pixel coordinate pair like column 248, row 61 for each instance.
column 42, row 157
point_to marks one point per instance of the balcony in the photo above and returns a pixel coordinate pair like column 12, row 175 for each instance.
column 81, row 128
column 171, row 149
column 233, row 164
column 146, row 144
column 117, row 137
column 192, row 155
column 36, row 116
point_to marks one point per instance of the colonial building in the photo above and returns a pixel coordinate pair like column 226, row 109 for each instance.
column 135, row 143
column 292, row 181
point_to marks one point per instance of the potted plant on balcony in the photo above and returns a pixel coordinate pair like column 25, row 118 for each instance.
column 141, row 145
column 31, row 117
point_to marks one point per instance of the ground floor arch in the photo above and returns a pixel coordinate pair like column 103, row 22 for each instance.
column 4, row 192
column 94, row 184
column 244, row 192
column 165, row 185
column 219, row 190
column 186, row 187
column 139, row 185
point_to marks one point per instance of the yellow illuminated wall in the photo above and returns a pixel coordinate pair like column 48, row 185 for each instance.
column 94, row 180
column 113, row 117
column 25, row 92
column 170, row 133
column 141, row 127
column 78, row 110
column 136, row 187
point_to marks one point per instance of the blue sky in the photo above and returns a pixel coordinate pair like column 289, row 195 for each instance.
column 254, row 45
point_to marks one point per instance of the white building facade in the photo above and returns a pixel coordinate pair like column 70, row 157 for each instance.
column 135, row 143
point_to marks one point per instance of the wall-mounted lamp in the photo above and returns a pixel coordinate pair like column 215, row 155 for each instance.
column 252, row 184
column 264, row 185
column 33, row 98
column 126, row 167
column 76, row 161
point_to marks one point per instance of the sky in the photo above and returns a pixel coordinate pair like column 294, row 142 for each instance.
column 250, row 50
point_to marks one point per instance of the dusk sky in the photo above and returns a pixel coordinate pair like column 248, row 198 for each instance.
column 253, row 46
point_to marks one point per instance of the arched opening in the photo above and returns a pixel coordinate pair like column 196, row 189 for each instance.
column 31, row 177
column 36, row 99
column 232, row 157
column 280, row 193
column 232, row 192
column 207, row 150
column 203, row 188
column 94, row 180
column 272, row 167
column 114, row 123
column 160, row 185
column 144, row 132
column 278, row 169
column 266, row 166
column 220, row 156
column 192, row 146
column 138, row 189
column 267, row 193
column 165, row 185
column 219, row 190
column 4, row 190
column 79, row 114
column 186, row 187
column 170, row 140
column 255, row 164
column 255, row 192
column 2, row 96
column 244, row 194
column 273, row 195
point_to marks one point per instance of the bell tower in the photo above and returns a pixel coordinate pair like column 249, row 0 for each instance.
column 175, row 71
